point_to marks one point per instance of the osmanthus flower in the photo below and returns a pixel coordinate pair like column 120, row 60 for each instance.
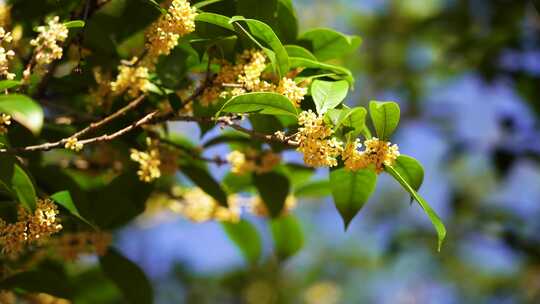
column 288, row 88
column 315, row 141
column 149, row 161
column 29, row 228
column 5, row 54
column 257, row 206
column 252, row 160
column 73, row 144
column 377, row 154
column 198, row 206
column 47, row 48
column 5, row 121
column 163, row 34
column 131, row 79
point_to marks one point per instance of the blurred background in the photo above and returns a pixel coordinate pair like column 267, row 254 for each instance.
column 466, row 74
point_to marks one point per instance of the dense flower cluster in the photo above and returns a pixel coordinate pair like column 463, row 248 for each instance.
column 29, row 228
column 258, row 207
column 131, row 79
column 5, row 121
column 315, row 141
column 252, row 161
column 69, row 246
column 149, row 161
column 100, row 96
column 5, row 54
column 163, row 34
column 73, row 144
column 199, row 207
column 9, row 297
column 47, row 42
column 378, row 153
column 247, row 76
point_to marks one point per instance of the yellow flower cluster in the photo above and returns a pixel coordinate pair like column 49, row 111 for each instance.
column 100, row 95
column 163, row 34
column 130, row 78
column 9, row 297
column 70, row 246
column 29, row 227
column 198, row 206
column 73, row 144
column 46, row 43
column 246, row 76
column 258, row 207
column 149, row 161
column 378, row 153
column 5, row 54
column 288, row 88
column 315, row 141
column 251, row 161
column 5, row 121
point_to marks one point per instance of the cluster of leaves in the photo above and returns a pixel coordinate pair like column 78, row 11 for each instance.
column 106, row 194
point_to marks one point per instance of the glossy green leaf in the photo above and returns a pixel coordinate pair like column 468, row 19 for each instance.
column 204, row 3
column 328, row 44
column 287, row 21
column 24, row 110
column 8, row 84
column 263, row 11
column 64, row 199
column 314, row 189
column 411, row 170
column 128, row 277
column 351, row 190
column 206, row 182
column 385, row 117
column 298, row 51
column 434, row 218
column 215, row 19
column 273, row 188
column 16, row 182
column 296, row 62
column 328, row 94
column 74, row 24
column 246, row 238
column 348, row 122
column 264, row 33
column 262, row 103
column 288, row 236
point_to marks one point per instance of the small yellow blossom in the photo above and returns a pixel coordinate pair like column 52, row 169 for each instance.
column 149, row 162
column 258, row 207
column 252, row 161
column 131, row 78
column 163, row 34
column 239, row 163
column 73, row 144
column 255, row 63
column 324, row 292
column 100, row 96
column 198, row 206
column 319, row 149
column 378, row 153
column 5, row 54
column 47, row 42
column 288, row 88
column 5, row 120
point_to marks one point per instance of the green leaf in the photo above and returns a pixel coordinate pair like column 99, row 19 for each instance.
column 385, row 117
column 287, row 21
column 273, row 188
column 246, row 238
column 24, row 110
column 411, row 170
column 63, row 198
column 206, row 182
column 74, row 24
column 215, row 19
column 47, row 281
column 263, row 11
column 328, row 94
column 287, row 235
column 435, row 220
column 348, row 122
column 8, row 84
column 296, row 62
column 314, row 189
column 202, row 4
column 128, row 277
column 15, row 181
column 265, row 33
column 351, row 190
column 328, row 44
column 298, row 51
column 262, row 103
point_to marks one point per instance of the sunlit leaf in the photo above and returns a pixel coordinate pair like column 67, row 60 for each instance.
column 385, row 117
column 329, row 44
column 262, row 103
column 246, row 238
column 328, row 94
column 24, row 110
